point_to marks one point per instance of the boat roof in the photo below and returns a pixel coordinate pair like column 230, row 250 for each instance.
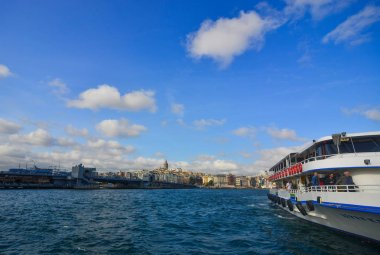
column 327, row 138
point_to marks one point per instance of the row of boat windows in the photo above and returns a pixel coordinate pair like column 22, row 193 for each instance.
column 352, row 145
column 349, row 145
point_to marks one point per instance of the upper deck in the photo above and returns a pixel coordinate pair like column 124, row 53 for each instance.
column 338, row 151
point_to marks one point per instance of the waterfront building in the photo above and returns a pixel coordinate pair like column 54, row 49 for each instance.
column 220, row 180
column 238, row 181
column 231, row 180
column 80, row 172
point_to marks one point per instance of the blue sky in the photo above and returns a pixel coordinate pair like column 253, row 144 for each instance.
column 217, row 86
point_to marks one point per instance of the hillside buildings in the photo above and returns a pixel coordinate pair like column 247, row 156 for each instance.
column 164, row 174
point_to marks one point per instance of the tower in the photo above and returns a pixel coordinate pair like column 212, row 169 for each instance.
column 166, row 165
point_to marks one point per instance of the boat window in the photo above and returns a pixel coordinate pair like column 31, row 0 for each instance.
column 319, row 150
column 367, row 144
column 346, row 147
column 330, row 148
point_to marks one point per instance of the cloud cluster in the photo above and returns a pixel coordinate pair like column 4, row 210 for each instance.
column 43, row 148
column 38, row 137
column 226, row 38
column 283, row 134
column 274, row 132
column 214, row 165
column 106, row 96
column 8, row 127
column 372, row 114
column 202, row 123
column 178, row 109
column 318, row 9
column 59, row 87
column 369, row 113
column 245, row 132
column 111, row 155
column 70, row 130
column 120, row 128
column 4, row 71
column 351, row 30
column 269, row 157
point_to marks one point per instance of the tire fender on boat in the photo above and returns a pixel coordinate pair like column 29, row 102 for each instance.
column 283, row 202
column 310, row 205
column 290, row 205
column 301, row 208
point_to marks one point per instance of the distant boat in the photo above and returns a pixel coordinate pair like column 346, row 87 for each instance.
column 349, row 201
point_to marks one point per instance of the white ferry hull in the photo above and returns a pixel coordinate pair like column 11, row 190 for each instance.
column 362, row 224
column 334, row 182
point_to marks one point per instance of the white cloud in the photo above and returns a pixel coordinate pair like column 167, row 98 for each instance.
column 202, row 123
column 65, row 142
column 8, row 127
column 120, row 128
column 318, row 9
column 372, row 114
column 22, row 148
column 107, row 145
column 4, row 71
column 39, row 137
column 76, row 132
column 159, row 154
column 226, row 38
column 59, row 87
column 178, row 109
column 369, row 113
column 106, row 96
column 216, row 166
column 245, row 154
column 103, row 154
column 351, row 30
column 283, row 134
column 205, row 157
column 269, row 157
column 10, row 150
column 245, row 132
column 181, row 122
column 164, row 123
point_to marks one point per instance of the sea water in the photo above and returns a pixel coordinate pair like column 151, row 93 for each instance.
column 197, row 221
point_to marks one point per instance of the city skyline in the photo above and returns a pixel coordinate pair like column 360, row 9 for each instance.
column 214, row 86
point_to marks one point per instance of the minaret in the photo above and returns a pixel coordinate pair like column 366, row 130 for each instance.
column 166, row 165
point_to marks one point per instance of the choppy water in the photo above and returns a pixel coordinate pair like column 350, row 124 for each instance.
column 160, row 222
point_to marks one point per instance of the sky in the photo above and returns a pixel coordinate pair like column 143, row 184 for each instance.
column 213, row 86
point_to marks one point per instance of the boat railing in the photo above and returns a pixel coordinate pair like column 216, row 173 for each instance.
column 321, row 157
column 339, row 188
column 314, row 158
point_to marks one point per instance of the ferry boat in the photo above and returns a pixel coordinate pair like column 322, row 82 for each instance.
column 349, row 199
